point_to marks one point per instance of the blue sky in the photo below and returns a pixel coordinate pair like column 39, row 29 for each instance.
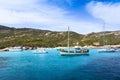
column 83, row 16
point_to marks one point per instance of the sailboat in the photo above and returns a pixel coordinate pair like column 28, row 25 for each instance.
column 14, row 49
column 106, row 48
column 40, row 51
column 73, row 51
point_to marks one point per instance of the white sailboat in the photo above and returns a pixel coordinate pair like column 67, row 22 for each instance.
column 73, row 51
column 14, row 49
column 40, row 51
column 106, row 48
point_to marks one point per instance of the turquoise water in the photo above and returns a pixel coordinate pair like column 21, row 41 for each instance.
column 25, row 65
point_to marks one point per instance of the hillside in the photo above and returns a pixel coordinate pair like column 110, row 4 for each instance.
column 45, row 38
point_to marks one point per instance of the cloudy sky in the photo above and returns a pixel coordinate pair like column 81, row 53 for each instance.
column 83, row 16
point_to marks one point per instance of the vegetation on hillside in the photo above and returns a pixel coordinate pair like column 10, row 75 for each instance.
column 44, row 38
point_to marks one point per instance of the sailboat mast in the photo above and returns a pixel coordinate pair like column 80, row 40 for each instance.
column 104, row 41
column 68, row 40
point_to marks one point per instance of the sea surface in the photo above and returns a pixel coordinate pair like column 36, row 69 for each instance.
column 25, row 65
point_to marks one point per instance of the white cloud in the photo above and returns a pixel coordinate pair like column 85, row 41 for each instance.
column 21, row 11
column 32, row 13
column 108, row 12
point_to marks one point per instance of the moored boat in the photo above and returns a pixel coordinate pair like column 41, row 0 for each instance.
column 106, row 48
column 15, row 49
column 109, row 50
column 40, row 51
column 73, row 51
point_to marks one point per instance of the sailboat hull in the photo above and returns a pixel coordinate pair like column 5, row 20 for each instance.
column 73, row 54
column 106, row 50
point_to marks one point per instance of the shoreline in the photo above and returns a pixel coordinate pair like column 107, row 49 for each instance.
column 33, row 48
